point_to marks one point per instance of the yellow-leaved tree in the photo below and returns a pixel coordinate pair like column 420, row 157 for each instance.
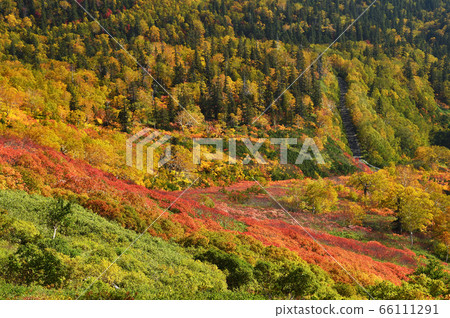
column 416, row 210
column 319, row 196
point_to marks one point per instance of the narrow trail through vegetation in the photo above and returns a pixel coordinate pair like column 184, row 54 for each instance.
column 349, row 127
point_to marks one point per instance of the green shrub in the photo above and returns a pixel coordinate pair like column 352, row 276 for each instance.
column 24, row 232
column 299, row 282
column 195, row 239
column 266, row 274
column 346, row 290
column 61, row 246
column 433, row 269
column 207, row 201
column 103, row 291
column 239, row 272
column 17, row 231
column 36, row 264
column 441, row 250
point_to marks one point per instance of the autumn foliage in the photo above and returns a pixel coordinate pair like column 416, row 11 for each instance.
column 135, row 207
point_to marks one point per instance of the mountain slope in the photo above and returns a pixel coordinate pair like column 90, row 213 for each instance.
column 33, row 168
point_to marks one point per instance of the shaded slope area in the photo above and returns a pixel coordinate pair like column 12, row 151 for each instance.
column 349, row 127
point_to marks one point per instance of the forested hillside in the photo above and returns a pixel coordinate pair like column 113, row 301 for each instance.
column 78, row 77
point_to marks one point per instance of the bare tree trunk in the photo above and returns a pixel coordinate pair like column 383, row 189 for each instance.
column 54, row 232
column 411, row 236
